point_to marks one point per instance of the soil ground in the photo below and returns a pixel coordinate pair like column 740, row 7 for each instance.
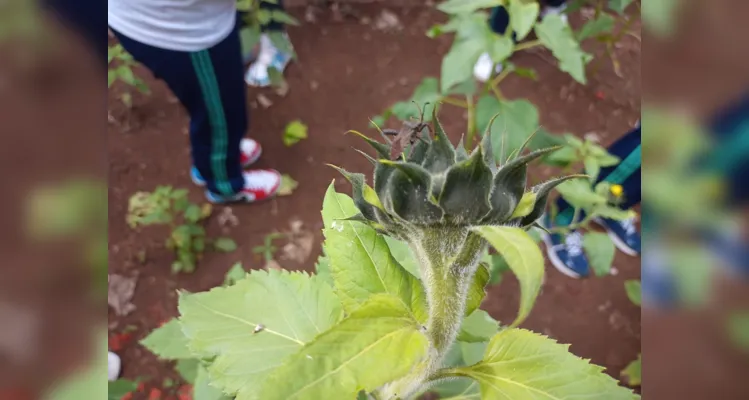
column 347, row 72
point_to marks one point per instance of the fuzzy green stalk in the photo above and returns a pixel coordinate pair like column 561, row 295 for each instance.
column 448, row 258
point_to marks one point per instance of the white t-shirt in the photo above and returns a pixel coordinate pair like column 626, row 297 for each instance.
column 181, row 25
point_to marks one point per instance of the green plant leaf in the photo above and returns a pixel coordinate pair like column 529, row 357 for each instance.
column 225, row 244
column 457, row 65
column 294, row 132
column 501, row 48
column 523, row 16
column 619, row 5
column 382, row 343
column 119, row 388
column 477, row 291
column 403, row 254
column 193, row 213
column 478, row 327
column 427, row 91
column 634, row 291
column 578, row 193
column 595, row 27
column 473, row 352
column 558, row 37
column 458, row 389
column 350, row 243
column 322, row 269
column 520, row 364
column 467, row 6
column 288, row 185
column 168, row 342
column 249, row 36
column 524, row 258
column 253, row 326
column 282, row 43
column 202, row 389
column 633, row 372
column 600, row 251
column 592, row 168
column 284, row 18
column 516, row 121
column 235, row 274
column 188, row 369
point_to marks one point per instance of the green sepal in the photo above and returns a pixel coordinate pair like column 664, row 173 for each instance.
column 407, row 193
column 383, row 150
column 486, row 145
column 461, row 152
column 359, row 186
column 465, row 194
column 419, row 150
column 542, row 195
column 441, row 153
column 509, row 186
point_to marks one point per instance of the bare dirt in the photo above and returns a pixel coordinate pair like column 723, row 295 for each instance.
column 349, row 71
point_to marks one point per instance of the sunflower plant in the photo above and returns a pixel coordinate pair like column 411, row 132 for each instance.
column 369, row 328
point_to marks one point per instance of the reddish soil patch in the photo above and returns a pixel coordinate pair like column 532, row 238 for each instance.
column 348, row 72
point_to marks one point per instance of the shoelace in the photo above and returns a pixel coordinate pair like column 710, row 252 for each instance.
column 629, row 226
column 574, row 244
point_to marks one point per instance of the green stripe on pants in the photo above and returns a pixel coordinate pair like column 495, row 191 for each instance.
column 203, row 66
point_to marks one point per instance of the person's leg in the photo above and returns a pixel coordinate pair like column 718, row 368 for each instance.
column 205, row 82
column 83, row 16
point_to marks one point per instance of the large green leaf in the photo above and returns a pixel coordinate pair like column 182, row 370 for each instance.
column 516, row 121
column 557, row 35
column 459, row 389
column 520, row 364
column 467, row 6
column 523, row 16
column 478, row 327
column 360, row 261
column 376, row 344
column 600, row 251
column 202, row 389
column 457, row 65
column 168, row 342
column 524, row 258
column 252, row 326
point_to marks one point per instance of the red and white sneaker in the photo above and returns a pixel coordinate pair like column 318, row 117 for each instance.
column 259, row 184
column 249, row 152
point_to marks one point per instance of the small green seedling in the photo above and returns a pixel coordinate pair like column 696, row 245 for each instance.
column 267, row 249
column 187, row 237
column 121, row 65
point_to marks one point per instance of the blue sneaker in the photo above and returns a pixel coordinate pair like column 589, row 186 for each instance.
column 623, row 233
column 566, row 252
